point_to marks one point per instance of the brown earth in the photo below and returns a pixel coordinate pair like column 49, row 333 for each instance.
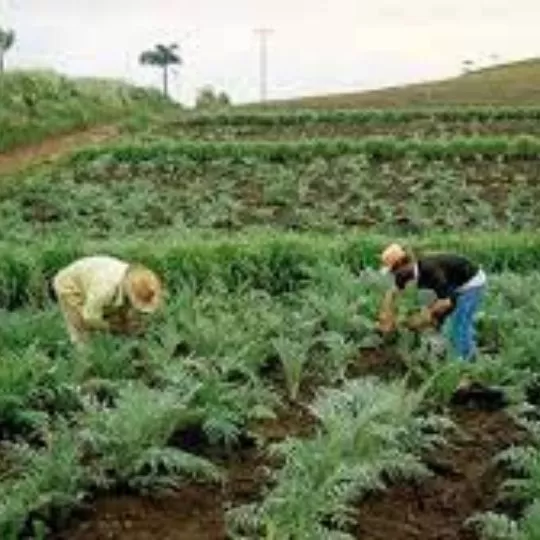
column 194, row 511
column 52, row 148
column 465, row 481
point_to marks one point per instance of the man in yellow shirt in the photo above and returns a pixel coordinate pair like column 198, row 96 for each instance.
column 105, row 293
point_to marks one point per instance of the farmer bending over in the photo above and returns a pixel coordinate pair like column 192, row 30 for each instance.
column 105, row 293
column 458, row 284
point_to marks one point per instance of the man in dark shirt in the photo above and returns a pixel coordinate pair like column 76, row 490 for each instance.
column 457, row 283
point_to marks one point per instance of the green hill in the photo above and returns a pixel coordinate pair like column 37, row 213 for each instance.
column 38, row 104
column 516, row 83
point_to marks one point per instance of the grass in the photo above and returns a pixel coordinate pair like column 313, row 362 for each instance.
column 40, row 104
column 507, row 84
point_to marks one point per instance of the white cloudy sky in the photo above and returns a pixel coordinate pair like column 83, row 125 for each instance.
column 318, row 46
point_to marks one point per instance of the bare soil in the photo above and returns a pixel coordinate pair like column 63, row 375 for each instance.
column 464, row 482
column 194, row 511
column 52, row 148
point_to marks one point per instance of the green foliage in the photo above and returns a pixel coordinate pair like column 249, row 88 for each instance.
column 368, row 428
column 360, row 116
column 45, row 481
column 376, row 148
column 112, row 190
column 129, row 442
column 283, row 124
column 268, row 261
column 30, row 384
column 37, row 104
column 207, row 98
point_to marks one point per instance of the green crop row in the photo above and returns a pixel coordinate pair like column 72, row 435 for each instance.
column 362, row 116
column 377, row 148
column 270, row 261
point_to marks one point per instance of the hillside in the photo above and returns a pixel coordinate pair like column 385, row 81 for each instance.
column 39, row 104
column 517, row 83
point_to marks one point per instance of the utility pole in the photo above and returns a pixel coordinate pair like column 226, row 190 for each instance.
column 263, row 34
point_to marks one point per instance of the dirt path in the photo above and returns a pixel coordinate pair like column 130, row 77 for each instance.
column 52, row 148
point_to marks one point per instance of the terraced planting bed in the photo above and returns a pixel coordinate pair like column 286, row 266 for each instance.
column 273, row 124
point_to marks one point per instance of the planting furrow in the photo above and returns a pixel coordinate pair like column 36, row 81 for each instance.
column 194, row 511
column 466, row 481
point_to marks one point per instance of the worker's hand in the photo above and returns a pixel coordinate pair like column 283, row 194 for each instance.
column 125, row 322
column 386, row 323
column 441, row 307
column 420, row 321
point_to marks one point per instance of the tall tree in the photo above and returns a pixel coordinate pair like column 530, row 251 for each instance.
column 162, row 56
column 7, row 39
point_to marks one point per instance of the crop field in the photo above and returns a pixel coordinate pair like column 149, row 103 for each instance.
column 261, row 403
column 385, row 186
column 307, row 124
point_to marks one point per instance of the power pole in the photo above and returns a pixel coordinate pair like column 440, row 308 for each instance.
column 263, row 34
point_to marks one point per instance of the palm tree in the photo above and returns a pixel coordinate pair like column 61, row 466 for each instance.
column 7, row 39
column 162, row 56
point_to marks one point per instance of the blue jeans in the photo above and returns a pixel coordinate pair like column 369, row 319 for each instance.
column 460, row 325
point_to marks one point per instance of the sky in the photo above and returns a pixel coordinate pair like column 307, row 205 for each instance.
column 316, row 46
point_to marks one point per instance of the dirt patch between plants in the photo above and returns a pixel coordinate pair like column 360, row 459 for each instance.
column 195, row 511
column 465, row 481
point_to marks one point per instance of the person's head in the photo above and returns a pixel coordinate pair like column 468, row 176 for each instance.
column 394, row 258
column 143, row 289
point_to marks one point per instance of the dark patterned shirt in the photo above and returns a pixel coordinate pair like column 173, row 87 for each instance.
column 444, row 274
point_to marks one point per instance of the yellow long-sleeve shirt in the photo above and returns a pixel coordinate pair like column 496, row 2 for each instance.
column 92, row 285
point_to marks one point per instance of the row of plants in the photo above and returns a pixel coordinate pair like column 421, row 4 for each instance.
column 420, row 129
column 108, row 419
column 371, row 434
column 375, row 148
column 37, row 104
column 520, row 492
column 360, row 116
column 275, row 262
column 103, row 196
column 293, row 124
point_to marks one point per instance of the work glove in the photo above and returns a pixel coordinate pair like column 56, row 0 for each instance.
column 420, row 321
column 386, row 323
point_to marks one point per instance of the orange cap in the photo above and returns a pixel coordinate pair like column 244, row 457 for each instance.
column 393, row 255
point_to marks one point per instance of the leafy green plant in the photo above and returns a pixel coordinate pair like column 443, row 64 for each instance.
column 129, row 443
column 45, row 482
column 368, row 428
